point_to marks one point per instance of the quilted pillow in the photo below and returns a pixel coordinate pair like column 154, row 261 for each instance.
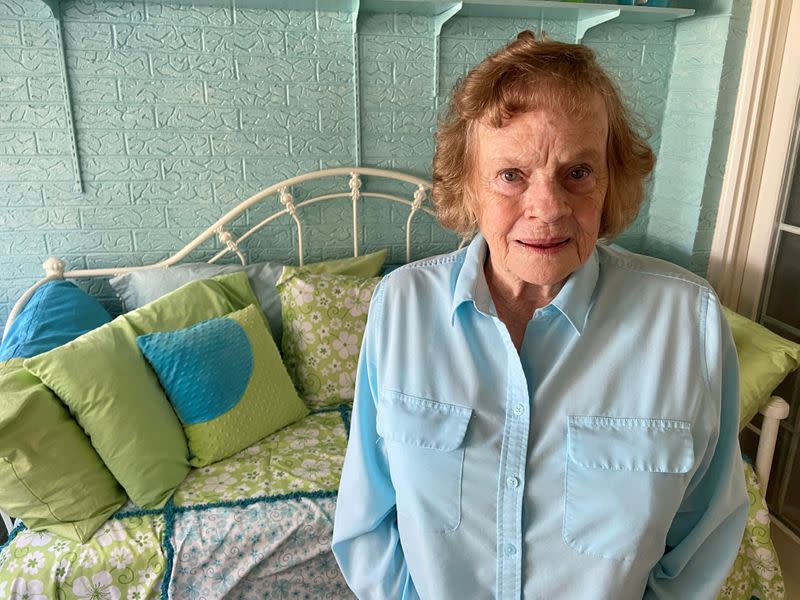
column 50, row 476
column 115, row 396
column 324, row 317
column 226, row 381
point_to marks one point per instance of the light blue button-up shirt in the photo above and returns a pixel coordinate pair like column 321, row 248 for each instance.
column 601, row 461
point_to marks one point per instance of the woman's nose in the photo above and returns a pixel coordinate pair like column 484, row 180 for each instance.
column 547, row 201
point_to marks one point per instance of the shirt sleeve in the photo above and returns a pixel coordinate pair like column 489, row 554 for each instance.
column 366, row 541
column 706, row 533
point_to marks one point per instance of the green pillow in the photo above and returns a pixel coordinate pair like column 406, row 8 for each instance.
column 765, row 359
column 368, row 265
column 50, row 476
column 323, row 322
column 226, row 381
column 115, row 396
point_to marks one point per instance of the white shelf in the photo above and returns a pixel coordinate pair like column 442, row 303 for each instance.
column 551, row 10
column 482, row 8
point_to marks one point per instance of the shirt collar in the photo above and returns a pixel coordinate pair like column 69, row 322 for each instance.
column 573, row 300
column 471, row 283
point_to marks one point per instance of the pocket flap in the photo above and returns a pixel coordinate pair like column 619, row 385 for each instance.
column 656, row 445
column 422, row 422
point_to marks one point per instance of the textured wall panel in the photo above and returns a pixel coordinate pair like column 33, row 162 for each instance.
column 182, row 111
column 28, row 62
column 109, row 63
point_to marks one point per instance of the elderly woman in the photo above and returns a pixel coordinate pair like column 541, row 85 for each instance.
column 539, row 415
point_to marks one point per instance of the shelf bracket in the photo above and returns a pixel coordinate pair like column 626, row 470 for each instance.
column 356, row 9
column 55, row 8
column 438, row 22
column 589, row 19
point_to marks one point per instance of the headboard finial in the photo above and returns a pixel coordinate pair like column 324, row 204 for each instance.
column 288, row 201
column 419, row 197
column 355, row 183
column 54, row 267
column 226, row 237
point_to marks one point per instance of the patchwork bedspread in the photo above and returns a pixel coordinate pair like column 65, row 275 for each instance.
column 258, row 525
column 255, row 525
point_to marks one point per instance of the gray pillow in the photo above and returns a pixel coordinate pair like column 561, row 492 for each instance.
column 142, row 287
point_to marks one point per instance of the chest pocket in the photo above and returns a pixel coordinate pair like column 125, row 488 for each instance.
column 424, row 443
column 625, row 479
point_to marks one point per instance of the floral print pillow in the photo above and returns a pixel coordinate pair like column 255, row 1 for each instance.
column 323, row 322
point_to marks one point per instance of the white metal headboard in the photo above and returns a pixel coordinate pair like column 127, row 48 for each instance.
column 55, row 267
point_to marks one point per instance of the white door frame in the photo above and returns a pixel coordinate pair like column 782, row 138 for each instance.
column 759, row 149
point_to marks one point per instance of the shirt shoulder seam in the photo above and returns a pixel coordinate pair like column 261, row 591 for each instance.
column 687, row 277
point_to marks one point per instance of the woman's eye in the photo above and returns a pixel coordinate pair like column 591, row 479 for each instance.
column 510, row 176
column 579, row 173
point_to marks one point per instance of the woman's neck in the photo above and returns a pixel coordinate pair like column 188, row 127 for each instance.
column 516, row 301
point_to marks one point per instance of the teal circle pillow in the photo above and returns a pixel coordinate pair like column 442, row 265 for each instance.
column 226, row 381
column 187, row 362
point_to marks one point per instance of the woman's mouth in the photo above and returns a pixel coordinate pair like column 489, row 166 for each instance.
column 544, row 246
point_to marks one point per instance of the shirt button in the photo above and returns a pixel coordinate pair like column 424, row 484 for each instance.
column 519, row 409
column 512, row 482
column 510, row 550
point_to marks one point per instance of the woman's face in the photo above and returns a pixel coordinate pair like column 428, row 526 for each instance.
column 540, row 186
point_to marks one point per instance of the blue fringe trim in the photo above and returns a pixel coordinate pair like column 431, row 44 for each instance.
column 169, row 549
column 170, row 511
column 256, row 500
column 345, row 411
column 325, row 409
column 13, row 533
column 141, row 512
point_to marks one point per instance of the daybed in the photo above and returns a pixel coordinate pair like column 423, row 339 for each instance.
column 119, row 497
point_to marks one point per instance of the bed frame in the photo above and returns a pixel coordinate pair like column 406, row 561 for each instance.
column 54, row 268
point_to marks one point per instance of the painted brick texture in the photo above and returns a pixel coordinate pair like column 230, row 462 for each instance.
column 183, row 111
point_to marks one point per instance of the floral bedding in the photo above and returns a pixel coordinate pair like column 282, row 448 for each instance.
column 255, row 525
column 258, row 525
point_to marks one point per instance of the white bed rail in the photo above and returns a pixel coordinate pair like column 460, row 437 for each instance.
column 55, row 268
column 772, row 414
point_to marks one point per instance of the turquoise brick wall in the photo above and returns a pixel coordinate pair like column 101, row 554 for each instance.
column 182, row 111
column 695, row 133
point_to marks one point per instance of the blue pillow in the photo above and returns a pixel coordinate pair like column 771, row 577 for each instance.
column 57, row 313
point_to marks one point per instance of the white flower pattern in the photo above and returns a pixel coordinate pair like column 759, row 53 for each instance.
column 121, row 557
column 112, row 531
column 33, row 562
column 99, row 587
column 34, row 539
column 322, row 337
column 87, row 558
column 61, row 570
column 22, row 589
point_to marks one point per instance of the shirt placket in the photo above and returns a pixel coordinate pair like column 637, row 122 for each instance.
column 511, row 479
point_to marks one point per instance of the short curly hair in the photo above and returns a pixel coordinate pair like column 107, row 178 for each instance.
column 526, row 75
